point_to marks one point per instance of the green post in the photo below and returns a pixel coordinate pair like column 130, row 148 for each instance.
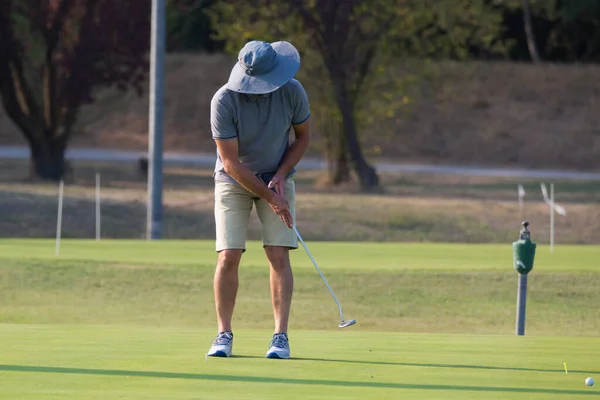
column 523, row 256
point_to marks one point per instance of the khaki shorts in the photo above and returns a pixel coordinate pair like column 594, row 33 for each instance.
column 233, row 204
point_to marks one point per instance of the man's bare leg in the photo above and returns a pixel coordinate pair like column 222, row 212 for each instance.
column 282, row 285
column 226, row 286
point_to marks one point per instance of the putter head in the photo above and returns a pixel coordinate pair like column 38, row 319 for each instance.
column 345, row 324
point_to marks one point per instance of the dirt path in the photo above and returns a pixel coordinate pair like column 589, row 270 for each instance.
column 207, row 160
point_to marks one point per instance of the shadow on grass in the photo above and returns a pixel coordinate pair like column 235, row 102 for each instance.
column 290, row 381
column 453, row 366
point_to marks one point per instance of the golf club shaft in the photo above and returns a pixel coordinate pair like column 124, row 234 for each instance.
column 319, row 270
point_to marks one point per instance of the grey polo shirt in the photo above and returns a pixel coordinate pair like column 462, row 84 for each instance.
column 260, row 123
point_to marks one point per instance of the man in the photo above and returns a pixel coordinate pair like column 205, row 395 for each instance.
column 251, row 119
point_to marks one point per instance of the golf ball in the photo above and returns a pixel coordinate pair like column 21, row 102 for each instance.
column 589, row 381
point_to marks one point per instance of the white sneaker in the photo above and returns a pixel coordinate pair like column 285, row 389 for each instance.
column 221, row 345
column 279, row 346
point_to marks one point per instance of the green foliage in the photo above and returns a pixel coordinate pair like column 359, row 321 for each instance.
column 189, row 26
column 558, row 11
column 575, row 35
column 448, row 28
column 236, row 22
column 353, row 44
column 547, row 8
column 565, row 30
column 586, row 10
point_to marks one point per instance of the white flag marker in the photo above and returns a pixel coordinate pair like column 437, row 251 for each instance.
column 521, row 193
column 554, row 208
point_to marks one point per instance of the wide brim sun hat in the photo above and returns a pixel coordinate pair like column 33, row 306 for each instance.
column 264, row 67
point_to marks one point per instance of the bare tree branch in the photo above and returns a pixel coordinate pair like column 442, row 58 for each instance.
column 51, row 36
column 17, row 97
column 313, row 25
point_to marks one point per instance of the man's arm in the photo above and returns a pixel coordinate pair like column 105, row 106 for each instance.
column 228, row 150
column 296, row 151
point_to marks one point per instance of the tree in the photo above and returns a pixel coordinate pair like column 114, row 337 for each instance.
column 348, row 36
column 562, row 30
column 54, row 54
column 342, row 38
column 346, row 43
column 578, row 31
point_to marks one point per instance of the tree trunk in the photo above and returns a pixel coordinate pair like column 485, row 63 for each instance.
column 335, row 147
column 535, row 57
column 47, row 160
column 366, row 174
column 339, row 170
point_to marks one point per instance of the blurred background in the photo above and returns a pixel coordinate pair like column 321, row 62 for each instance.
column 427, row 115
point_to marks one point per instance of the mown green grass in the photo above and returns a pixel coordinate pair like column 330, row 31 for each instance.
column 83, row 362
column 332, row 255
column 133, row 319
column 387, row 287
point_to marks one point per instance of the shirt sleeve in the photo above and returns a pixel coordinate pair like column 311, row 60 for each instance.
column 301, row 104
column 221, row 120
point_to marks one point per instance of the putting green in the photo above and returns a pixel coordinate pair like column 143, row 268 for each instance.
column 100, row 362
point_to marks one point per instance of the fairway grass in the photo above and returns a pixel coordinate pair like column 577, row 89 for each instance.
column 93, row 363
column 333, row 255
column 133, row 320
column 430, row 288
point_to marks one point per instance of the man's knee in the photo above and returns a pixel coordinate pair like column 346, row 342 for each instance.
column 229, row 259
column 279, row 256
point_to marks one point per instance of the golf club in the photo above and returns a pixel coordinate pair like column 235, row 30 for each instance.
column 344, row 323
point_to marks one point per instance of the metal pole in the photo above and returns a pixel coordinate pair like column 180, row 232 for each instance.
column 552, row 217
column 61, row 187
column 319, row 270
column 156, row 122
column 521, row 304
column 98, row 206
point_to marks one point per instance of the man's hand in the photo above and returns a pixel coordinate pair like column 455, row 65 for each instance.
column 282, row 208
column 278, row 184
